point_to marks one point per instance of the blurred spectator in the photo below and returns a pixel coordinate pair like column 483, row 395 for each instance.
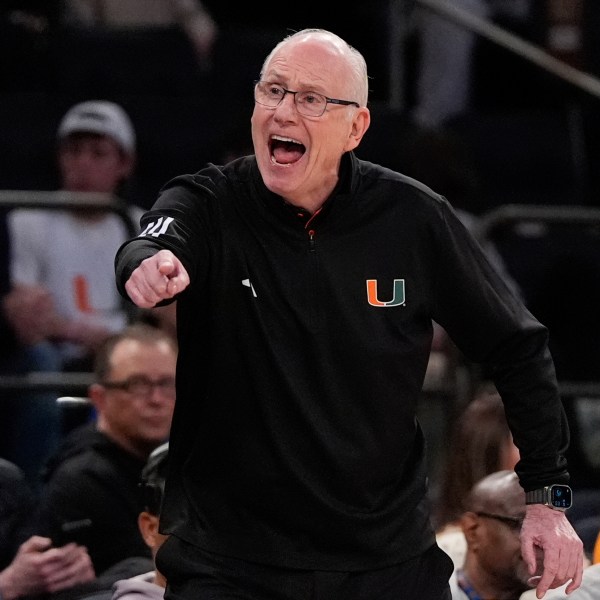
column 116, row 47
column 189, row 15
column 446, row 56
column 22, row 315
column 93, row 478
column 16, row 506
column 491, row 522
column 61, row 262
column 149, row 585
column 135, row 577
column 480, row 443
column 29, row 422
column 29, row 565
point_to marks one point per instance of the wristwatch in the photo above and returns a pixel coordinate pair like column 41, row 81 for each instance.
column 558, row 497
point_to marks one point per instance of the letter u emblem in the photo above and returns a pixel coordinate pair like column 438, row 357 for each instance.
column 398, row 297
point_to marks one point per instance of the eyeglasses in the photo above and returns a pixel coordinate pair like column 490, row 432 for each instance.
column 309, row 104
column 138, row 385
column 513, row 522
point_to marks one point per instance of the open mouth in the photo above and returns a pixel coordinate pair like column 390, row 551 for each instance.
column 285, row 151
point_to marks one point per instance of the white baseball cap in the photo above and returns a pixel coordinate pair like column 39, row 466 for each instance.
column 99, row 116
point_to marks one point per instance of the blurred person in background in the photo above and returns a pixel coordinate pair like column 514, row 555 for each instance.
column 494, row 511
column 480, row 443
column 108, row 45
column 61, row 259
column 446, row 58
column 189, row 15
column 93, row 477
column 30, row 565
column 60, row 304
column 30, row 421
column 149, row 585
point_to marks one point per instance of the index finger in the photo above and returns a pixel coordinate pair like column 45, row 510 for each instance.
column 552, row 577
column 530, row 553
column 548, row 571
column 165, row 264
column 577, row 579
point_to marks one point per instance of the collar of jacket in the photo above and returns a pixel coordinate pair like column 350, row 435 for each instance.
column 286, row 211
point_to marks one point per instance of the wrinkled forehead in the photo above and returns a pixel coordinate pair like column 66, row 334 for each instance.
column 310, row 60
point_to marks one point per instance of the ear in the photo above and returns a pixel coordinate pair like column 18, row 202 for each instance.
column 97, row 395
column 360, row 124
column 148, row 526
column 471, row 526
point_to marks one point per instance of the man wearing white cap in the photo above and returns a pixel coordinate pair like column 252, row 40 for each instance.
column 103, row 118
column 62, row 261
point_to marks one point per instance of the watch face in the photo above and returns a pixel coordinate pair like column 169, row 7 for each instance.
column 560, row 496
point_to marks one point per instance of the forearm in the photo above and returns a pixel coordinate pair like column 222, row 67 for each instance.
column 534, row 411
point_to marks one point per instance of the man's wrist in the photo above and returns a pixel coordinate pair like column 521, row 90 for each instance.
column 557, row 497
column 5, row 586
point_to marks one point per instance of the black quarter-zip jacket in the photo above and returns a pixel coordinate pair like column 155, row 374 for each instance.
column 303, row 346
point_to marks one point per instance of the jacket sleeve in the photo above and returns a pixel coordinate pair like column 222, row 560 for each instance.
column 491, row 326
column 177, row 222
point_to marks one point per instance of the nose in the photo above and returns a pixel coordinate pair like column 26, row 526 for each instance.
column 158, row 395
column 286, row 109
column 83, row 159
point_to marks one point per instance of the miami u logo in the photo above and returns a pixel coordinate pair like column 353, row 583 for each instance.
column 398, row 297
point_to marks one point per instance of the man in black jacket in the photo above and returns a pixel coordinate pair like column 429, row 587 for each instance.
column 306, row 283
column 91, row 492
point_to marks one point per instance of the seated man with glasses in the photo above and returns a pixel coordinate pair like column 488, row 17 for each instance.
column 90, row 491
column 493, row 567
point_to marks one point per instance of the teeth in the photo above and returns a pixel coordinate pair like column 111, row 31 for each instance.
column 274, row 162
column 280, row 138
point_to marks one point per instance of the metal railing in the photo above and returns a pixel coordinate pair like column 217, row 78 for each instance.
column 516, row 214
column 511, row 214
column 47, row 381
column 400, row 13
column 63, row 200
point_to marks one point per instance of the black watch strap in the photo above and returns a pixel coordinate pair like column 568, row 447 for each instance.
column 558, row 496
column 538, row 496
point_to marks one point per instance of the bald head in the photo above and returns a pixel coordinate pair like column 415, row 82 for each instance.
column 357, row 67
column 492, row 525
column 498, row 492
